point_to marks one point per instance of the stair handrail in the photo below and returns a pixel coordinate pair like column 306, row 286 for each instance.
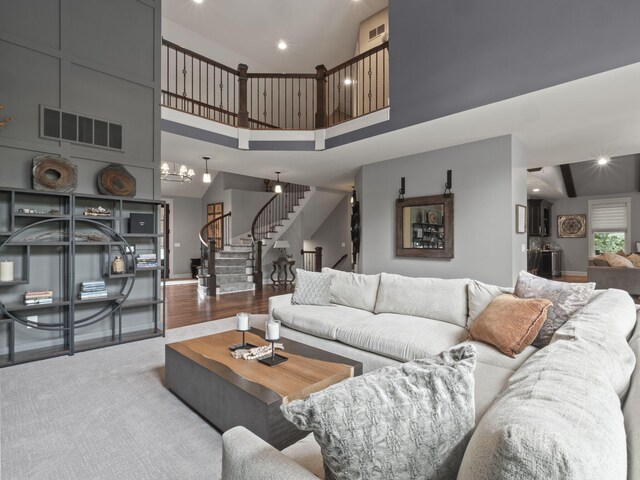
column 271, row 213
column 211, row 249
column 342, row 258
column 207, row 225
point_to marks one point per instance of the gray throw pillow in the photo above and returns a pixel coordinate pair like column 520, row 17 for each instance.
column 567, row 298
column 398, row 423
column 312, row 288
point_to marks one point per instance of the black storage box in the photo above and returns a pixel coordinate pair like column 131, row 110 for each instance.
column 141, row 223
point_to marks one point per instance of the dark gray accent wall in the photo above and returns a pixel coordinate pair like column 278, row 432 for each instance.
column 446, row 57
column 90, row 57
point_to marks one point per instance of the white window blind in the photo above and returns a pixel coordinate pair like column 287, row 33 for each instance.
column 609, row 217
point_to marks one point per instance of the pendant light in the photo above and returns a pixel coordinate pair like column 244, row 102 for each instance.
column 278, row 186
column 206, row 176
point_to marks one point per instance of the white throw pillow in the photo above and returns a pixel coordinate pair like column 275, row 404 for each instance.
column 312, row 288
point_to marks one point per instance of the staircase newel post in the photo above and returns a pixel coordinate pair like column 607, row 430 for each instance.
column 243, row 112
column 257, row 266
column 321, row 115
column 318, row 259
column 211, row 268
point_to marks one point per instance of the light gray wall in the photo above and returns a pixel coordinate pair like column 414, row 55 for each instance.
column 575, row 251
column 519, row 197
column 333, row 232
column 484, row 205
column 187, row 220
column 91, row 57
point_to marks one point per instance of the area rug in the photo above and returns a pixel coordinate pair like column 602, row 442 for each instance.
column 105, row 414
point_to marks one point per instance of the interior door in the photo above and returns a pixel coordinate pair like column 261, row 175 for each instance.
column 215, row 231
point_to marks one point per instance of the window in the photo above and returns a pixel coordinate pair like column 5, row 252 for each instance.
column 609, row 222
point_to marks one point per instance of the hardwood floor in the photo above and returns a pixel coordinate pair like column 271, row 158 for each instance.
column 186, row 307
column 572, row 278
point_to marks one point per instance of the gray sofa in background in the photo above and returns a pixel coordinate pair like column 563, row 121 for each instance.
column 627, row 279
column 563, row 400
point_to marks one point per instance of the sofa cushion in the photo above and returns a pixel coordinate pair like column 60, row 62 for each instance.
column 510, row 323
column 353, row 289
column 632, row 414
column 401, row 337
column 567, row 298
column 306, row 453
column 489, row 355
column 320, row 321
column 617, row 261
column 435, row 298
column 312, row 288
column 390, row 423
column 479, row 296
column 558, row 418
column 599, row 261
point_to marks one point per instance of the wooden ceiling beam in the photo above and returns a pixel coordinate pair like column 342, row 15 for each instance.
column 567, row 178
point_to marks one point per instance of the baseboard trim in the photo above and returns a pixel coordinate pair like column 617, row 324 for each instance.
column 568, row 272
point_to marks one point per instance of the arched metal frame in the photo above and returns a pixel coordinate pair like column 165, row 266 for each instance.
column 108, row 309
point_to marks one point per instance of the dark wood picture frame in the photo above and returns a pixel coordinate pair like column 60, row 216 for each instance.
column 436, row 237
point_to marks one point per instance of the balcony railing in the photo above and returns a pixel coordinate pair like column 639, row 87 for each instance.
column 200, row 86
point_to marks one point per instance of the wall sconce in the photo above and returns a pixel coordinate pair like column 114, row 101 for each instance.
column 402, row 190
column 278, row 186
column 448, row 184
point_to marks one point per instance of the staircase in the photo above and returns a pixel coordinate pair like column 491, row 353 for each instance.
column 233, row 269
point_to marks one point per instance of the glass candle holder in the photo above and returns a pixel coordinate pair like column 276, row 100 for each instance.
column 242, row 325
column 272, row 334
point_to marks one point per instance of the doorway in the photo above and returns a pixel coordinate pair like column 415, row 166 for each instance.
column 166, row 225
column 215, row 232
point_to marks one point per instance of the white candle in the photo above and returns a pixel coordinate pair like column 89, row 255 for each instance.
column 243, row 321
column 273, row 330
column 6, row 271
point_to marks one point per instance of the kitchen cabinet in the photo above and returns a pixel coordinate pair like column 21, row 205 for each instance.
column 539, row 218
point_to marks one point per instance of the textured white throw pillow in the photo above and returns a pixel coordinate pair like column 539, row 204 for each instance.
column 312, row 288
column 410, row 421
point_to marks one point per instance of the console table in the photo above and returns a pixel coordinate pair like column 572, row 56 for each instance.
column 283, row 272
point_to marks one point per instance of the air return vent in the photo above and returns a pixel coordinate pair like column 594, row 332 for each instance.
column 376, row 31
column 76, row 128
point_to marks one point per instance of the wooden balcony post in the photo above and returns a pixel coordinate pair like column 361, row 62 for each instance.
column 243, row 112
column 321, row 114
column 257, row 266
column 318, row 259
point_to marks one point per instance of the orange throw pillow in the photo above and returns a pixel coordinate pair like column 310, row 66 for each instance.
column 510, row 323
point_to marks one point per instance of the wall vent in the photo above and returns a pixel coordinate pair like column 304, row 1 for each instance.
column 376, row 31
column 73, row 127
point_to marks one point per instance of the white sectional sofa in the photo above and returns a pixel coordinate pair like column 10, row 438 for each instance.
column 578, row 396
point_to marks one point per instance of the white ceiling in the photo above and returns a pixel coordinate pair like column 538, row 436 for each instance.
column 568, row 123
column 253, row 28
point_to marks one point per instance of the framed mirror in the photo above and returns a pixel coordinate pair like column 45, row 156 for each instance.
column 424, row 226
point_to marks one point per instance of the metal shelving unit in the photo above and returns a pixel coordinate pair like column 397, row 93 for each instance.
column 134, row 307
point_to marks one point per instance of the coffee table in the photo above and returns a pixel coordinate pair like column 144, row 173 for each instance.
column 231, row 391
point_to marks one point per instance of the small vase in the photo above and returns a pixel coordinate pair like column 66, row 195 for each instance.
column 117, row 266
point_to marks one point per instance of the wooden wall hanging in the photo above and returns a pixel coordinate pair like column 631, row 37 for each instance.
column 54, row 174
column 116, row 180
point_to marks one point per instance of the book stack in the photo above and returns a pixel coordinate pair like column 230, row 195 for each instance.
column 96, row 289
column 146, row 260
column 38, row 298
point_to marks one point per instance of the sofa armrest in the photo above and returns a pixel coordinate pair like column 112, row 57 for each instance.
column 278, row 301
column 245, row 456
column 627, row 279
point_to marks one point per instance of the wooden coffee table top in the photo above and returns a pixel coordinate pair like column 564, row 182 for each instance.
column 308, row 369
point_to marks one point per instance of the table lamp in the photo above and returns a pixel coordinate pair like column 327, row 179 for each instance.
column 282, row 245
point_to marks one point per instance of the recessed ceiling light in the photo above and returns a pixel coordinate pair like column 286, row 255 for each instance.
column 282, row 45
column 198, row 1
column 536, row 189
column 347, row 81
column 603, row 160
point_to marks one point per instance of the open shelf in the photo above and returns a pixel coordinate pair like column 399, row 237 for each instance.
column 55, row 261
column 142, row 302
column 108, row 298
column 17, row 307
